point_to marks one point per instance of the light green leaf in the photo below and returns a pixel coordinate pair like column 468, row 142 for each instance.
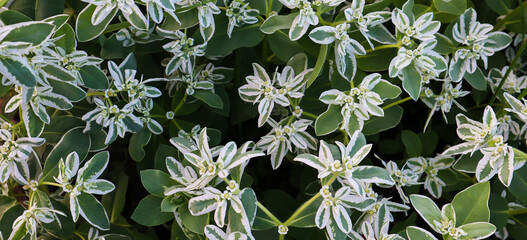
column 148, row 212
column 156, row 181
column 471, row 204
column 328, row 121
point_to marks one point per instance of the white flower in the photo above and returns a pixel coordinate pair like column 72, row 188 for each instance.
column 239, row 14
column 282, row 230
column 480, row 41
column 217, row 201
column 431, row 167
column 279, row 141
column 422, row 28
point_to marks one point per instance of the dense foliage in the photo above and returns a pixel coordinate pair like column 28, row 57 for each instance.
column 263, row 119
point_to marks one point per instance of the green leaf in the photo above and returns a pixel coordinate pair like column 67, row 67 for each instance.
column 498, row 210
column 93, row 77
column 58, row 126
column 386, row 90
column 73, row 140
column 412, row 81
column 148, row 212
column 248, row 198
column 245, row 36
column 85, row 30
column 94, row 167
column 478, row 230
column 10, row 17
column 209, row 98
column 426, row 208
column 139, row 141
column 114, row 202
column 67, row 38
column 412, row 143
column 392, row 117
column 476, row 79
column 7, row 219
column 48, row 8
column 193, row 223
column 456, row 7
column 277, row 22
column 471, row 204
column 113, row 48
column 328, row 121
column 17, row 72
column 156, row 181
column 93, row 211
column 417, row 233
column 71, row 91
column 31, row 32
column 518, row 186
column 377, row 60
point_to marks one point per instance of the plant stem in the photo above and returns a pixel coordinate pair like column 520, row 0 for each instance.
column 180, row 104
column 3, row 2
column 307, row 203
column 396, row 103
column 94, row 94
column 269, row 214
column 517, row 211
column 503, row 80
column 311, row 115
column 318, row 66
column 50, row 184
column 396, row 45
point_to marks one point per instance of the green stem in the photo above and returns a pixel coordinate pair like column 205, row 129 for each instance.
column 268, row 213
column 396, row 45
column 50, row 184
column 318, row 66
column 517, row 211
column 311, row 115
column 180, row 104
column 307, row 203
column 3, row 2
column 281, row 237
column 94, row 94
column 396, row 103
column 503, row 80
column 504, row 20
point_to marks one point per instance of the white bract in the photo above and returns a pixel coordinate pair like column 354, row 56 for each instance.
column 498, row 157
column 332, row 210
column 347, row 166
column 360, row 102
column 14, row 155
column 431, row 167
column 239, row 13
column 480, row 43
column 402, row 178
column 305, row 18
column 228, row 157
column 513, row 84
column 108, row 8
column 284, row 135
column 217, row 201
column 422, row 28
column 86, row 183
column 423, row 58
column 345, row 47
column 261, row 89
column 183, row 49
column 370, row 25
column 215, row 233
column 444, row 221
